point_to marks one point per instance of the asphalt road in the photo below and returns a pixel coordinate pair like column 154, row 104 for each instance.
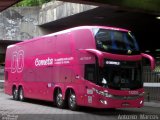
column 40, row 110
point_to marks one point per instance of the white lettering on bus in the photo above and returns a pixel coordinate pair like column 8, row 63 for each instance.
column 43, row 62
column 112, row 62
column 85, row 58
column 133, row 92
column 17, row 62
column 66, row 60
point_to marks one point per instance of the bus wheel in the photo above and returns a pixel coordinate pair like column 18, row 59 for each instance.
column 21, row 94
column 59, row 99
column 15, row 94
column 72, row 101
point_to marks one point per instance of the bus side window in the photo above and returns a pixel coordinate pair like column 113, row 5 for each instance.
column 90, row 72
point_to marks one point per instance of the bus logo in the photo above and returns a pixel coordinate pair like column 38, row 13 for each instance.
column 17, row 62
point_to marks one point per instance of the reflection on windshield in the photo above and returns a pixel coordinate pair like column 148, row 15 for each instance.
column 110, row 40
column 122, row 76
column 125, row 76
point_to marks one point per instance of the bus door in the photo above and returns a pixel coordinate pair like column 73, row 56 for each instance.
column 91, row 75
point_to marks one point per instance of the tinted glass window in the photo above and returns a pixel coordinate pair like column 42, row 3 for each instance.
column 90, row 72
column 121, row 75
column 115, row 41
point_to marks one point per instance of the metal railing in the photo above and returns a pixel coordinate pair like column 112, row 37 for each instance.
column 1, row 74
column 1, row 77
column 151, row 83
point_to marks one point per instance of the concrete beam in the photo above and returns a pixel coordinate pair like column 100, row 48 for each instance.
column 4, row 4
column 148, row 6
column 56, row 10
column 19, row 23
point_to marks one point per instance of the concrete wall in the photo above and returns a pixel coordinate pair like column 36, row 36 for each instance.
column 19, row 23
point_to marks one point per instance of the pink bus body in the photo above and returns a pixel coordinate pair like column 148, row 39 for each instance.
column 66, row 67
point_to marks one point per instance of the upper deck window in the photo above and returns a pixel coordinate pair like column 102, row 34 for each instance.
column 115, row 41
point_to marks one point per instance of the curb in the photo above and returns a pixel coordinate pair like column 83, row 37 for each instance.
column 152, row 104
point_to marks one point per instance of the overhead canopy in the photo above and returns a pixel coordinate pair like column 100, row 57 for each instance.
column 4, row 4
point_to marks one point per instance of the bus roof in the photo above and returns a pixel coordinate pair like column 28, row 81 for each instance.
column 87, row 27
column 69, row 30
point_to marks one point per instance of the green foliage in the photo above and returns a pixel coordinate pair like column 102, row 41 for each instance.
column 25, row 3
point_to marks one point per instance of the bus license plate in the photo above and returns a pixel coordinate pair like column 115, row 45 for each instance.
column 125, row 104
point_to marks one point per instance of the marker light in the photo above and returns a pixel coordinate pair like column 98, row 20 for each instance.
column 103, row 101
column 141, row 102
column 158, row 17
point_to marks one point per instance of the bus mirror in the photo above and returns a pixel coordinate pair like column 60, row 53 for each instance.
column 151, row 59
column 97, row 53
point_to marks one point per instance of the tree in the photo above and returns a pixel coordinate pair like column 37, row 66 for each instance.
column 24, row 3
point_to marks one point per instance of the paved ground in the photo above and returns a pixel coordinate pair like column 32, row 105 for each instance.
column 40, row 110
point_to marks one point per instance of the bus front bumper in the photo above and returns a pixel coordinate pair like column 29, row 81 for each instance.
column 117, row 103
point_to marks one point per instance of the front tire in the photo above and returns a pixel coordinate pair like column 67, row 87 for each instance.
column 72, row 104
column 60, row 103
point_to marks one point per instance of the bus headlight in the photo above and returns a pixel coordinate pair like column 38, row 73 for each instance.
column 105, row 94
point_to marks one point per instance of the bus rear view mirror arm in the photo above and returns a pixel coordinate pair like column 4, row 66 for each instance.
column 151, row 59
column 98, row 53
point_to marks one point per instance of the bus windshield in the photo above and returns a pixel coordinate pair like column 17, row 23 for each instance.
column 114, row 41
column 124, row 75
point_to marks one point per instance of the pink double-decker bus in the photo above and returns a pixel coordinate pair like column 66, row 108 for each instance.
column 93, row 66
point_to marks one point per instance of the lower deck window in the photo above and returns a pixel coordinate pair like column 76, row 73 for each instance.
column 90, row 72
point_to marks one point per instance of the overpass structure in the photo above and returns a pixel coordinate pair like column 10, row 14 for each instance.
column 4, row 4
column 147, row 6
column 140, row 16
